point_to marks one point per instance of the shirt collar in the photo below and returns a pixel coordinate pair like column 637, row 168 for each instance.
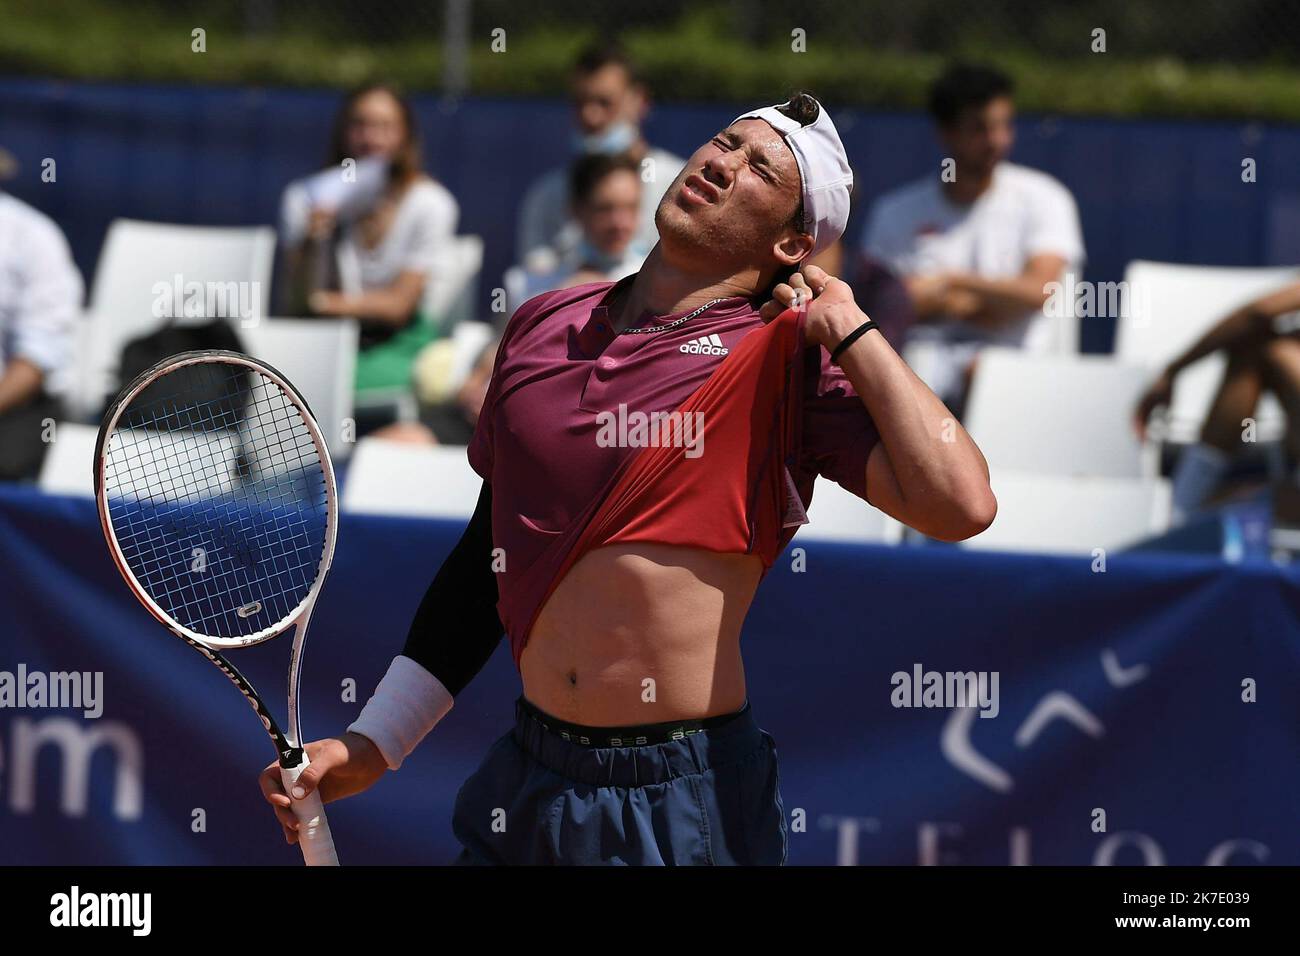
column 728, row 306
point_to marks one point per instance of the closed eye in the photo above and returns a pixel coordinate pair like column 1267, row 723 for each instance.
column 729, row 142
column 760, row 166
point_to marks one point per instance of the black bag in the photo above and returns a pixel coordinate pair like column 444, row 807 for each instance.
column 227, row 393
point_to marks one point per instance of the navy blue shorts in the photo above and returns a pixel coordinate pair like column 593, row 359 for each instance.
column 707, row 799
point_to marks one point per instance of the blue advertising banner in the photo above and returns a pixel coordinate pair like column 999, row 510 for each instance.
column 222, row 155
column 1128, row 709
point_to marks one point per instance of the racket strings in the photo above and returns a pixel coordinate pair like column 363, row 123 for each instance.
column 179, row 480
column 218, row 499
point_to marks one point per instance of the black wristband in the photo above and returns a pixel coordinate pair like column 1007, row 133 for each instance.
column 852, row 337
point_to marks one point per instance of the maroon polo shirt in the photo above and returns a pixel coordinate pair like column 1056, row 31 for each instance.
column 562, row 375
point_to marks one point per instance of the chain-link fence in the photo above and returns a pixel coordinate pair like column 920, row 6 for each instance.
column 1194, row 57
column 1194, row 30
column 1241, row 31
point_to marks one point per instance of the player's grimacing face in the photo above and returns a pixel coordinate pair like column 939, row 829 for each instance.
column 736, row 193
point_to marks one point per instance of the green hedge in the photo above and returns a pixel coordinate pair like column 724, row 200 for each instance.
column 693, row 59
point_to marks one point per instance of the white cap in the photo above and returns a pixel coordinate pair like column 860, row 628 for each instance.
column 823, row 167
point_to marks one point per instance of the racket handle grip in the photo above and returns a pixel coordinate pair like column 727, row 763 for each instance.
column 314, row 830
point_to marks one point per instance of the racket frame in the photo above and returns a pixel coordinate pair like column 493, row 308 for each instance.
column 109, row 426
column 292, row 757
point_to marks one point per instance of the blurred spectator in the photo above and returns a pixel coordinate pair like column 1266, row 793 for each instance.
column 609, row 103
column 607, row 193
column 883, row 296
column 876, row 290
column 978, row 243
column 40, row 306
column 367, row 251
column 1262, row 342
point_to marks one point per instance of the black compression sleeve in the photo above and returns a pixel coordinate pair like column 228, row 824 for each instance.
column 457, row 627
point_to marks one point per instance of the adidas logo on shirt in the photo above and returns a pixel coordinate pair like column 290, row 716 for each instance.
column 704, row 345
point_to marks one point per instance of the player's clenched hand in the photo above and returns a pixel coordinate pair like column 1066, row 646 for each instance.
column 340, row 767
column 829, row 300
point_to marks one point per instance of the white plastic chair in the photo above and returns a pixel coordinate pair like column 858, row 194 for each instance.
column 68, row 466
column 838, row 515
column 140, row 269
column 195, row 465
column 319, row 356
column 1172, row 306
column 449, row 293
column 1058, row 415
column 1057, row 515
column 395, row 478
column 68, row 462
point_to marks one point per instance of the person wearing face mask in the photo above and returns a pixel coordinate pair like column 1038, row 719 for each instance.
column 609, row 101
column 606, row 204
column 607, row 193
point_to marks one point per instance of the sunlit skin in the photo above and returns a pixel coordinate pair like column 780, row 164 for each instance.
column 727, row 213
column 628, row 613
column 978, row 140
column 1258, row 360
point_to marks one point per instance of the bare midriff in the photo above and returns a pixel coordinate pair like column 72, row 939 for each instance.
column 640, row 634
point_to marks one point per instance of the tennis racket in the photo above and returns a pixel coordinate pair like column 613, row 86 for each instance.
column 216, row 494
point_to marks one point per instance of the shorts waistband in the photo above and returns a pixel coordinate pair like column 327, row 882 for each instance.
column 638, row 735
column 615, row 756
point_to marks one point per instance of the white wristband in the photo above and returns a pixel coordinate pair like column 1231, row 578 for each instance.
column 406, row 705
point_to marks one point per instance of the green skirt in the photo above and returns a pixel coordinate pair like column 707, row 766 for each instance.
column 387, row 366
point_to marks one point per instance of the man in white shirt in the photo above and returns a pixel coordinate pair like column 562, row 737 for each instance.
column 40, row 306
column 609, row 102
column 979, row 242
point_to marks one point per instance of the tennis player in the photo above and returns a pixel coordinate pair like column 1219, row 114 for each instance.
column 621, row 557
